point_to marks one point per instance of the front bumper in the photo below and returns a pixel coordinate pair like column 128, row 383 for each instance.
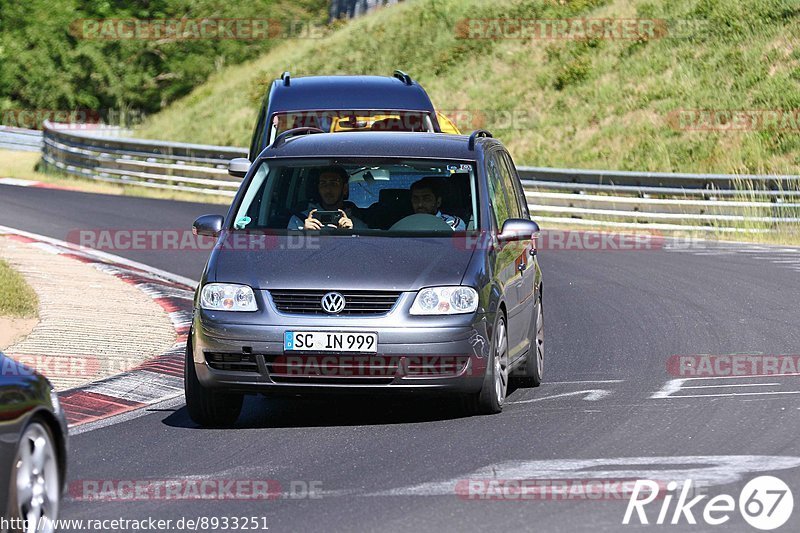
column 439, row 354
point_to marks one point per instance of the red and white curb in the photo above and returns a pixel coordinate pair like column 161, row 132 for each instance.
column 17, row 182
column 152, row 382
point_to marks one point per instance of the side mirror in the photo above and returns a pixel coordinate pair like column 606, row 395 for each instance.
column 518, row 229
column 208, row 225
column 238, row 167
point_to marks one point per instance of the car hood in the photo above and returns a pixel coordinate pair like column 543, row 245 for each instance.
column 340, row 262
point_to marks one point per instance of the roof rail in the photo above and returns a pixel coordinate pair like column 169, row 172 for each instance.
column 283, row 137
column 286, row 77
column 475, row 135
column 402, row 76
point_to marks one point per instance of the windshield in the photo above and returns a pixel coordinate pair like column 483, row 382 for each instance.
column 352, row 120
column 367, row 196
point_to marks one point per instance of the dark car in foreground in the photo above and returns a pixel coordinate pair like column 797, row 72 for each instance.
column 369, row 262
column 33, row 448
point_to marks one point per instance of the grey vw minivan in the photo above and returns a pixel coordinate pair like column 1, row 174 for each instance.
column 369, row 262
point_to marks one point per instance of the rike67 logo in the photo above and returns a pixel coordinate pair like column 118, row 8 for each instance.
column 765, row 503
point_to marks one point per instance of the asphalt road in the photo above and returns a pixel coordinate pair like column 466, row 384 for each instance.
column 64, row 214
column 613, row 320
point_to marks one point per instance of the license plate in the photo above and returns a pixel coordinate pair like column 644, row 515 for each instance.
column 327, row 341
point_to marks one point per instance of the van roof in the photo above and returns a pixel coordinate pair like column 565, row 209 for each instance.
column 348, row 93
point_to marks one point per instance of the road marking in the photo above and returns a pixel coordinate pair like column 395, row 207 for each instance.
column 733, row 394
column 781, row 256
column 588, row 381
column 592, row 395
column 707, row 470
column 727, row 386
column 17, row 182
column 676, row 385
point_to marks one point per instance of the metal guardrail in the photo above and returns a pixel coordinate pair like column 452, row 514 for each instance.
column 158, row 164
column 662, row 201
column 575, row 197
column 20, row 139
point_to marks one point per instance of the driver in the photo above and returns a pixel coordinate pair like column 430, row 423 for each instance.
column 426, row 198
column 332, row 187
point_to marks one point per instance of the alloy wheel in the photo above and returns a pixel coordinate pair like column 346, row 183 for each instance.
column 540, row 340
column 501, row 362
column 36, row 481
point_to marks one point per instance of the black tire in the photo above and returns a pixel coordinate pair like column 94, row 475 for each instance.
column 531, row 373
column 207, row 407
column 490, row 400
column 48, row 480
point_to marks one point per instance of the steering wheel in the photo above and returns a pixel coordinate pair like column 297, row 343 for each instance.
column 421, row 222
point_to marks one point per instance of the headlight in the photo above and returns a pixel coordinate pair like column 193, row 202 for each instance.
column 445, row 301
column 227, row 297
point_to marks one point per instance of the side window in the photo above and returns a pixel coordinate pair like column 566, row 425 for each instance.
column 258, row 133
column 496, row 189
column 514, row 185
column 509, row 180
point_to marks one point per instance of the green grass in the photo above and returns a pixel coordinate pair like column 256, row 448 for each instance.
column 591, row 104
column 22, row 165
column 17, row 299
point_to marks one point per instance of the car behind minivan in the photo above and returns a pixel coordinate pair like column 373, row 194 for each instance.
column 345, row 103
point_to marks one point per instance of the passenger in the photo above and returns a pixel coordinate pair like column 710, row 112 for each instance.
column 333, row 189
column 426, row 198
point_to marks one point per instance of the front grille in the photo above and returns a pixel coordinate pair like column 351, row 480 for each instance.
column 232, row 362
column 358, row 303
column 336, row 369
column 322, row 380
column 331, row 370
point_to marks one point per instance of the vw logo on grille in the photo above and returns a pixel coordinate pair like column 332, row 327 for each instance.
column 333, row 302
